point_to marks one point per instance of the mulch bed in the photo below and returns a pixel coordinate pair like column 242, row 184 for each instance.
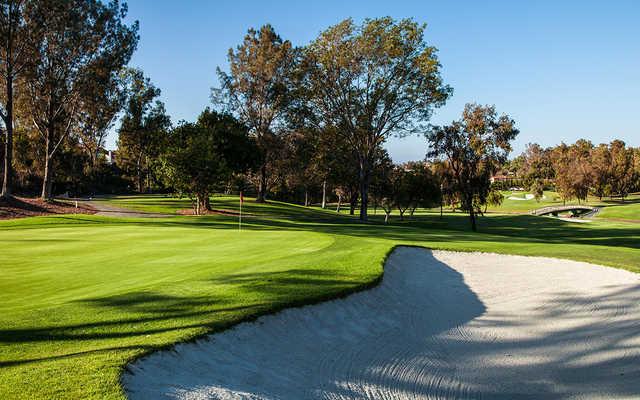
column 20, row 207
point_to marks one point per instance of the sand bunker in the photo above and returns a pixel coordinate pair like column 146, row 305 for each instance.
column 441, row 325
column 526, row 197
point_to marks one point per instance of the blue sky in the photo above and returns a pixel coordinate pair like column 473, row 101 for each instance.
column 562, row 69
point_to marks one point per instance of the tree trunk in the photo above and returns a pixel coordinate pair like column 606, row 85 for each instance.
column 386, row 217
column 93, row 166
column 339, row 203
column 353, row 201
column 8, row 144
column 472, row 216
column 324, row 194
column 47, row 177
column 364, row 189
column 306, row 198
column 468, row 204
column 139, row 173
column 148, row 175
column 47, row 183
column 202, row 203
column 262, row 187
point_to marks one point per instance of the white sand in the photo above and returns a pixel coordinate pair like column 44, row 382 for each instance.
column 441, row 325
column 526, row 197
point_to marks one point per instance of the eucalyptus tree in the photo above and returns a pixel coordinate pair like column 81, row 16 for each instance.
column 102, row 99
column 474, row 147
column 73, row 37
column 369, row 82
column 257, row 89
column 13, row 60
column 143, row 128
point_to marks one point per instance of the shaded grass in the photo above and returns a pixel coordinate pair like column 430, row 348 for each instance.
column 80, row 296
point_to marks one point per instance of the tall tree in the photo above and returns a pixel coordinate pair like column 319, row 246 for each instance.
column 257, row 88
column 474, row 147
column 561, row 159
column 622, row 160
column 201, row 157
column 370, row 82
column 534, row 168
column 72, row 39
column 13, row 60
column 102, row 99
column 601, row 167
column 581, row 168
column 143, row 128
column 636, row 170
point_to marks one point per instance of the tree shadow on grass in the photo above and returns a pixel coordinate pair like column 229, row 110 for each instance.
column 429, row 337
column 148, row 313
column 144, row 314
column 280, row 216
column 502, row 228
column 286, row 355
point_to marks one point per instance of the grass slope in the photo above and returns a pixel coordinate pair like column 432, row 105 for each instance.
column 80, row 296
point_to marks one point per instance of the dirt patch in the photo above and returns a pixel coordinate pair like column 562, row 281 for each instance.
column 21, row 207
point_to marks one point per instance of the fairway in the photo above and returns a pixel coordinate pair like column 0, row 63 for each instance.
column 81, row 296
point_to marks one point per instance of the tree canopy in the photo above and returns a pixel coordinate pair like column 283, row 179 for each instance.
column 475, row 147
column 371, row 81
column 200, row 157
column 257, row 89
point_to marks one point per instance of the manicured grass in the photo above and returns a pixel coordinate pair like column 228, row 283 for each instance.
column 80, row 296
column 524, row 206
column 611, row 208
column 629, row 209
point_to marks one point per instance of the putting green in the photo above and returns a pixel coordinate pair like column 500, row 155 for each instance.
column 80, row 296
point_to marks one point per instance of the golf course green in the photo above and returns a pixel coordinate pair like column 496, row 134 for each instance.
column 81, row 296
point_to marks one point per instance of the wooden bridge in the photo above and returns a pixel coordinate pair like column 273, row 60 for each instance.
column 576, row 210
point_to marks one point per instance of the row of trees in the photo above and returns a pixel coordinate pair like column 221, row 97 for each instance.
column 289, row 121
column 330, row 106
column 355, row 85
column 580, row 169
column 61, row 66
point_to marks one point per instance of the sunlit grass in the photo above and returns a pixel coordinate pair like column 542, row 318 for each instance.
column 80, row 296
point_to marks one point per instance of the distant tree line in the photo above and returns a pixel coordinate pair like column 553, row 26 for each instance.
column 580, row 169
